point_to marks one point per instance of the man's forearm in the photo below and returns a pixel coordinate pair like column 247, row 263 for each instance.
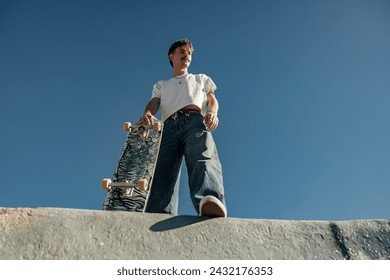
column 150, row 110
column 152, row 106
column 212, row 103
column 211, row 119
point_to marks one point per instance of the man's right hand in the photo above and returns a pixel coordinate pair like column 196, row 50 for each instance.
column 147, row 119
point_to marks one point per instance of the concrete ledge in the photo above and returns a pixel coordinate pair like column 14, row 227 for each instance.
column 50, row 233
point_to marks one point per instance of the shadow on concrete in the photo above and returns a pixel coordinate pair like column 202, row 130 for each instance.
column 177, row 222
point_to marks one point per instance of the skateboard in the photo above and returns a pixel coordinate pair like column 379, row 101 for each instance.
column 129, row 187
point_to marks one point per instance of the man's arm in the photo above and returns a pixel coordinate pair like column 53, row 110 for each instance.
column 211, row 119
column 150, row 110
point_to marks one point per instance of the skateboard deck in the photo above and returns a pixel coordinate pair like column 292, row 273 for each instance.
column 129, row 187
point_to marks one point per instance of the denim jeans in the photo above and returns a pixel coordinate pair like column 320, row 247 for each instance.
column 185, row 136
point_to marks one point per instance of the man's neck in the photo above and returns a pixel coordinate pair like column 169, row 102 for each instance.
column 180, row 72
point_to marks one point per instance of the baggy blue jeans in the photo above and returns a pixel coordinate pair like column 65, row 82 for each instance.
column 185, row 136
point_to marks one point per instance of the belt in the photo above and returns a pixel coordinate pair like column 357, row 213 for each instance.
column 182, row 112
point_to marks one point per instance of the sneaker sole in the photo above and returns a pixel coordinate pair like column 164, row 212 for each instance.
column 212, row 209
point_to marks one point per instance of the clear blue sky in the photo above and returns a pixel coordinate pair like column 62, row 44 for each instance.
column 303, row 86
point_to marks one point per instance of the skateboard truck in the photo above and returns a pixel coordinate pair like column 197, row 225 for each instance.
column 142, row 185
column 142, row 128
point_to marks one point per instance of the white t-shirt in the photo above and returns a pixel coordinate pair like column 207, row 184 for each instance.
column 180, row 91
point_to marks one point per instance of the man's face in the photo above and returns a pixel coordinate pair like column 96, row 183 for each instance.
column 181, row 57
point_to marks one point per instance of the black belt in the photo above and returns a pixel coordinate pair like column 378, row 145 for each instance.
column 182, row 112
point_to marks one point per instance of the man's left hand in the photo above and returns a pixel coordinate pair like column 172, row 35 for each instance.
column 211, row 121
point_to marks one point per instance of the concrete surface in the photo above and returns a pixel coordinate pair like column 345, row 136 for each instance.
column 51, row 233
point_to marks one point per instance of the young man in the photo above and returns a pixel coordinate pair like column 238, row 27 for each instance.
column 189, row 111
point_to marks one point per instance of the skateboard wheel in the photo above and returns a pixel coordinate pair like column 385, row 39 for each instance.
column 157, row 126
column 143, row 185
column 106, row 184
column 127, row 126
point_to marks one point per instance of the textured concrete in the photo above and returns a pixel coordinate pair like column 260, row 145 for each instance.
column 50, row 233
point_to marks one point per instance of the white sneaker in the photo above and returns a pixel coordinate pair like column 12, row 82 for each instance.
column 210, row 206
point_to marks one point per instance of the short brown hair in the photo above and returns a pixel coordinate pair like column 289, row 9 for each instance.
column 178, row 44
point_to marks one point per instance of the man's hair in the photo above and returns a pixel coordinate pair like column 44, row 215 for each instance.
column 178, row 44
